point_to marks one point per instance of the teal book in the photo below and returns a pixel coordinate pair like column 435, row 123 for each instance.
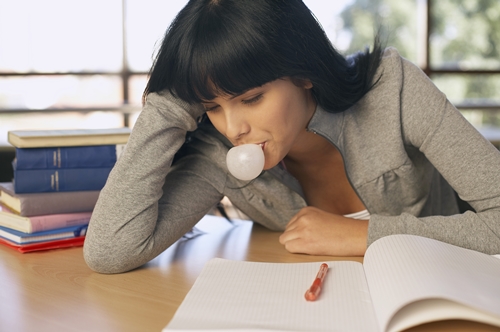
column 64, row 179
column 67, row 157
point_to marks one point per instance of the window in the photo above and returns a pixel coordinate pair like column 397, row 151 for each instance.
column 456, row 42
column 84, row 63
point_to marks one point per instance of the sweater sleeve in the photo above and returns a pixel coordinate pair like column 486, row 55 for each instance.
column 145, row 206
column 468, row 162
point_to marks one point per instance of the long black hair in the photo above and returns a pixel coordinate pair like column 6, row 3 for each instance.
column 218, row 47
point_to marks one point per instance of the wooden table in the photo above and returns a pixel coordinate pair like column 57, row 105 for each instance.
column 56, row 291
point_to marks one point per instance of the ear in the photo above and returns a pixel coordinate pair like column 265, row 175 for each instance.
column 302, row 83
column 307, row 84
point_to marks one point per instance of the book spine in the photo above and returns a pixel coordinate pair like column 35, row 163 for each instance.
column 21, row 224
column 57, row 138
column 45, row 245
column 56, row 234
column 65, row 179
column 67, row 157
column 54, row 221
column 41, row 223
column 37, row 204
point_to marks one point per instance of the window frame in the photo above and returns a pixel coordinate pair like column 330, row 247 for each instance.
column 126, row 74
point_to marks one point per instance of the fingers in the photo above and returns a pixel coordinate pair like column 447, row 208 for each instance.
column 316, row 232
column 287, row 235
column 293, row 239
column 304, row 212
column 296, row 246
column 291, row 230
column 297, row 243
column 298, row 233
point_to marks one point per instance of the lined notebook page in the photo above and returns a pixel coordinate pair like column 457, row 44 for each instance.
column 246, row 296
column 401, row 269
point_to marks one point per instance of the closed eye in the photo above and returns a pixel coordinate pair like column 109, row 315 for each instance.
column 252, row 100
column 211, row 108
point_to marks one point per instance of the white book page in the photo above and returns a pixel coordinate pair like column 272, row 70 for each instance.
column 403, row 269
column 247, row 296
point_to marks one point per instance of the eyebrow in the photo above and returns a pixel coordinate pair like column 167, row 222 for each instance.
column 236, row 95
column 239, row 94
column 230, row 98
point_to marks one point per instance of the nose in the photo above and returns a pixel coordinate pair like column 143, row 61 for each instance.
column 236, row 126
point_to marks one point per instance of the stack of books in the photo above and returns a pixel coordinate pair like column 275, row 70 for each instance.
column 58, row 175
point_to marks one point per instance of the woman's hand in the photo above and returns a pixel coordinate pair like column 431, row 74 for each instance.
column 316, row 232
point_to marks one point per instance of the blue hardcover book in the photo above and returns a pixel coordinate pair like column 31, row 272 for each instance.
column 63, row 179
column 55, row 234
column 67, row 157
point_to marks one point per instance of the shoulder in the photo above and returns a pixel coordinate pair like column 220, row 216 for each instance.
column 391, row 67
column 396, row 67
column 391, row 53
column 391, row 59
column 395, row 74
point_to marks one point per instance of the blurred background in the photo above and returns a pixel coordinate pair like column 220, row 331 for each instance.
column 68, row 64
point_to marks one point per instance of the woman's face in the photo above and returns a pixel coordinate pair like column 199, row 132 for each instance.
column 274, row 115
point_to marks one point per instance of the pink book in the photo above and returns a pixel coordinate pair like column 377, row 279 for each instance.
column 41, row 223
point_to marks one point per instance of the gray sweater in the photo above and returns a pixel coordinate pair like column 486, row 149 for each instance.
column 405, row 149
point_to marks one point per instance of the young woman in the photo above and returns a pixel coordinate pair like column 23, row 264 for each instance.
column 355, row 148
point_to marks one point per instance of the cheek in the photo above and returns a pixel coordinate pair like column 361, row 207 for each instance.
column 287, row 116
column 217, row 121
column 278, row 114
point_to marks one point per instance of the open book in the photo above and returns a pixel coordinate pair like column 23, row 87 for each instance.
column 404, row 281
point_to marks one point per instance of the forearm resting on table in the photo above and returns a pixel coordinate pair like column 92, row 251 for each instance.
column 316, row 232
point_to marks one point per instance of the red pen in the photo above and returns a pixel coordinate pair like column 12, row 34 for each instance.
column 313, row 292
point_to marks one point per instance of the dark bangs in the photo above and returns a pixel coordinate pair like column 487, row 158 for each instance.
column 226, row 47
column 218, row 51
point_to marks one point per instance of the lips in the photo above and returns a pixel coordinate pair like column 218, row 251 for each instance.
column 262, row 145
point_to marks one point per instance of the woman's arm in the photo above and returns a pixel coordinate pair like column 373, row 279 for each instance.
column 468, row 162
column 316, row 232
column 141, row 210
